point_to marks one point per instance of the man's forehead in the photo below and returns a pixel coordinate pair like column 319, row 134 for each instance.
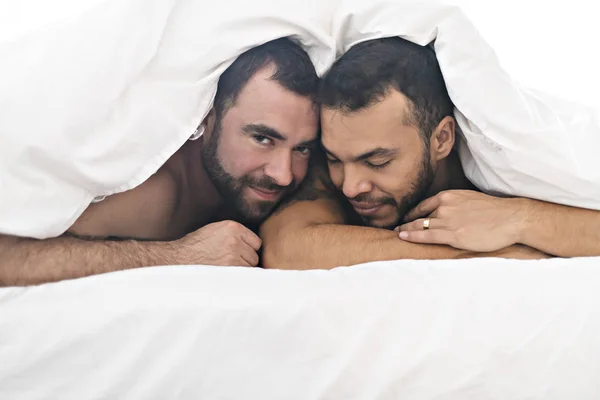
column 263, row 91
column 357, row 151
column 395, row 108
column 261, row 80
column 342, row 130
column 267, row 102
column 360, row 146
column 386, row 124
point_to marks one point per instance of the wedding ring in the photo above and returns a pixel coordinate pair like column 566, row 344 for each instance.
column 426, row 222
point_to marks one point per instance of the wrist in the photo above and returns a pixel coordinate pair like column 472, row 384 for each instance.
column 158, row 253
column 522, row 217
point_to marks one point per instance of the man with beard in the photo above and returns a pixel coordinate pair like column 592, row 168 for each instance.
column 251, row 150
column 388, row 136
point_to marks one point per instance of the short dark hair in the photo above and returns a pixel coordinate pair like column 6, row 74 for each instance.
column 294, row 71
column 365, row 74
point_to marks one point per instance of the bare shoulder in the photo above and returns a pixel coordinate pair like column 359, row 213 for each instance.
column 316, row 201
column 144, row 212
column 316, row 186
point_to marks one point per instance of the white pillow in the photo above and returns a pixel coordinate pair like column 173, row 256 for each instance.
column 518, row 141
column 95, row 95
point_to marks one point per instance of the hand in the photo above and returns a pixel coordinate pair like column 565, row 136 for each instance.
column 465, row 220
column 221, row 243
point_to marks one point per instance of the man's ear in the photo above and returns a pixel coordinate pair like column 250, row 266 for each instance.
column 210, row 121
column 442, row 139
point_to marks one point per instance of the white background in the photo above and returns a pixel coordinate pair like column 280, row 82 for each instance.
column 549, row 46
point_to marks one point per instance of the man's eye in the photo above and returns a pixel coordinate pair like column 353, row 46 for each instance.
column 262, row 139
column 377, row 166
column 332, row 160
column 304, row 150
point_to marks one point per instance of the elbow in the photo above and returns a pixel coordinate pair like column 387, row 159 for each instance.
column 280, row 250
column 269, row 258
column 289, row 244
column 274, row 254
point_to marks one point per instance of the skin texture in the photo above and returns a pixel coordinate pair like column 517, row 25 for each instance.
column 377, row 159
column 464, row 219
column 262, row 144
column 182, row 197
column 182, row 214
column 407, row 180
column 322, row 226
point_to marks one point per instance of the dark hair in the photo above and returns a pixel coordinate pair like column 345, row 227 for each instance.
column 294, row 71
column 366, row 73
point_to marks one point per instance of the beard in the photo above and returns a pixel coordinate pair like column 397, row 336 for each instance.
column 418, row 191
column 231, row 188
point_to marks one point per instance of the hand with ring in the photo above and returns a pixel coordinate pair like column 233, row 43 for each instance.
column 466, row 220
column 426, row 222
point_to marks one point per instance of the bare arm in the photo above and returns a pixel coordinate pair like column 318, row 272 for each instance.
column 29, row 261
column 479, row 222
column 312, row 235
column 311, row 232
column 144, row 213
column 559, row 230
column 84, row 251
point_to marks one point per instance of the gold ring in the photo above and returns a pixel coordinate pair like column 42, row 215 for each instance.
column 426, row 224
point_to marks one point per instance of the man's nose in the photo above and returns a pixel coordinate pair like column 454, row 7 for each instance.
column 279, row 168
column 354, row 184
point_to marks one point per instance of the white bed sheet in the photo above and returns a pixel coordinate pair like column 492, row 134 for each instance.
column 471, row 329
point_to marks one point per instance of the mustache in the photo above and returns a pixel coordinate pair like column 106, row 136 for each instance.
column 268, row 183
column 365, row 198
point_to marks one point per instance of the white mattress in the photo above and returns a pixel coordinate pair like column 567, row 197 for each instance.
column 472, row 329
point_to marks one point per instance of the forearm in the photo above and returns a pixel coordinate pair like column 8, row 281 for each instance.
column 28, row 261
column 328, row 246
column 559, row 230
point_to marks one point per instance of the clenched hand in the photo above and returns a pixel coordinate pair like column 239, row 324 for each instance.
column 226, row 243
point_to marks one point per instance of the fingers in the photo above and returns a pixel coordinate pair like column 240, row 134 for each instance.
column 416, row 233
column 251, row 239
column 431, row 236
column 419, row 225
column 245, row 234
column 240, row 255
column 423, row 209
column 249, row 256
column 248, row 246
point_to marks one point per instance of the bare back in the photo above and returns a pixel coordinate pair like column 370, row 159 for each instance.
column 167, row 206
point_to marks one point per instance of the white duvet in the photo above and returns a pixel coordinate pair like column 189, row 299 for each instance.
column 74, row 125
column 482, row 329
column 95, row 95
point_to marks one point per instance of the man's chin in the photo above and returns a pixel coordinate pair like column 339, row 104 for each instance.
column 257, row 212
column 388, row 223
